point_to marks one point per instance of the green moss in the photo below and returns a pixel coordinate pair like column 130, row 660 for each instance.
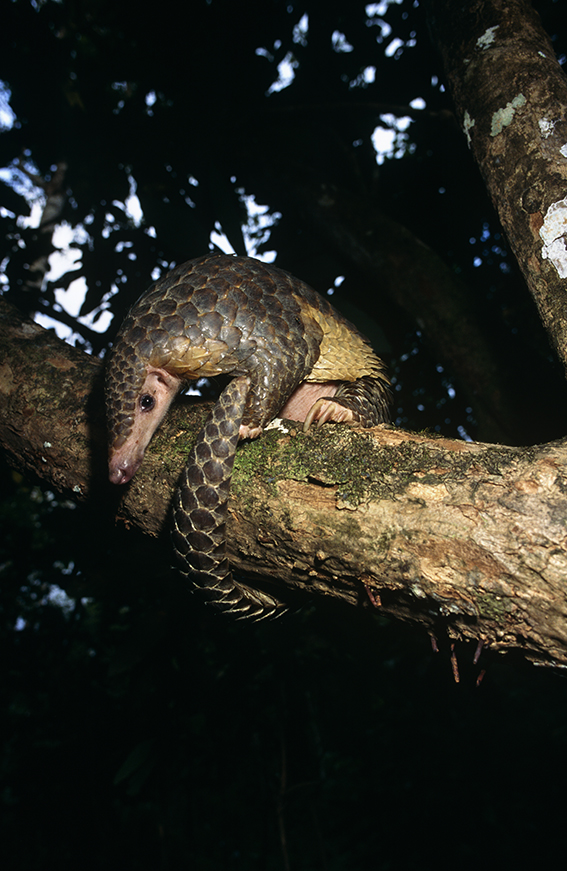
column 492, row 607
column 336, row 455
column 350, row 460
column 175, row 438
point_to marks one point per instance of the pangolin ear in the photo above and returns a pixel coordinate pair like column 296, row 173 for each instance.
column 161, row 385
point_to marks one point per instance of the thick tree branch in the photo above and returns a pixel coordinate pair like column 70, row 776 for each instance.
column 464, row 538
column 510, row 95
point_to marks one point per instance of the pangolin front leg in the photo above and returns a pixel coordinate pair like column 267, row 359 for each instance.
column 200, row 511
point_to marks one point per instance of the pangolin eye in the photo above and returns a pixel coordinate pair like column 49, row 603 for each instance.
column 147, row 402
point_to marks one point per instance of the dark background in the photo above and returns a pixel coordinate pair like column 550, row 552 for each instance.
column 139, row 730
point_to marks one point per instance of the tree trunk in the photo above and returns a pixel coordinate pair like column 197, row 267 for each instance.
column 510, row 95
column 467, row 539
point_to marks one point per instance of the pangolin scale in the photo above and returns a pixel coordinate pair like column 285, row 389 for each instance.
column 289, row 352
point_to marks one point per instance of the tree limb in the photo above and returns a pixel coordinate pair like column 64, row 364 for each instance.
column 510, row 95
column 464, row 538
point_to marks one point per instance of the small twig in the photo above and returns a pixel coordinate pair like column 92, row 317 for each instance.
column 454, row 664
column 478, row 651
column 374, row 597
column 480, row 677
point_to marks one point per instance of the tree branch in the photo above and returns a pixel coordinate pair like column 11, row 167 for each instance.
column 510, row 95
column 464, row 538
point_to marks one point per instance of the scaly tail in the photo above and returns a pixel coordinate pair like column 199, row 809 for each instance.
column 200, row 510
column 367, row 400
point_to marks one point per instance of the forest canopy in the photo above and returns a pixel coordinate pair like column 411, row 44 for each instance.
column 192, row 139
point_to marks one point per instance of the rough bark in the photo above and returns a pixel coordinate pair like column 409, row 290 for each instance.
column 467, row 539
column 46, row 391
column 510, row 95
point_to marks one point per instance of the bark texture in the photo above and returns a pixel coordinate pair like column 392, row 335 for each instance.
column 467, row 539
column 47, row 389
column 510, row 95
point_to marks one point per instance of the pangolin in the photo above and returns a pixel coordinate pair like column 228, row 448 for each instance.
column 288, row 352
